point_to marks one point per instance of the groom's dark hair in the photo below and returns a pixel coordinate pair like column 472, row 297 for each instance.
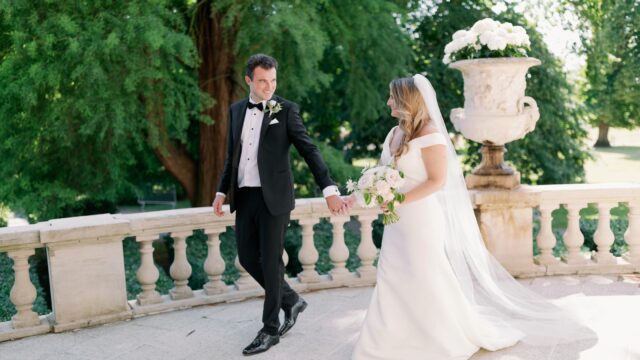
column 262, row 60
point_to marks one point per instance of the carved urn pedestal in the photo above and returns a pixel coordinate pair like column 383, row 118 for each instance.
column 495, row 112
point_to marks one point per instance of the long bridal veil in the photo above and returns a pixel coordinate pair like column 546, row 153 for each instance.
column 493, row 292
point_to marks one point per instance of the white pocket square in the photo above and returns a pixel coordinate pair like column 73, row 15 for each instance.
column 274, row 121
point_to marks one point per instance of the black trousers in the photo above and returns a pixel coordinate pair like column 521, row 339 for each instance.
column 260, row 241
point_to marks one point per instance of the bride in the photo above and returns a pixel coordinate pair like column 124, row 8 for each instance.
column 439, row 293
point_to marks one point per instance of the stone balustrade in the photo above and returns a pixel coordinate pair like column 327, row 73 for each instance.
column 87, row 275
column 506, row 221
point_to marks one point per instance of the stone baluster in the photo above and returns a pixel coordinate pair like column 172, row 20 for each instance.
column 339, row 253
column 573, row 237
column 367, row 251
column 245, row 282
column 603, row 237
column 180, row 270
column 214, row 264
column 23, row 293
column 308, row 254
column 632, row 235
column 147, row 273
column 546, row 240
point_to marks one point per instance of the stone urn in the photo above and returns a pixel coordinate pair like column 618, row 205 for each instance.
column 496, row 111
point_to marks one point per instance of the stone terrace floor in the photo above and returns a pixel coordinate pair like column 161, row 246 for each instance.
column 329, row 328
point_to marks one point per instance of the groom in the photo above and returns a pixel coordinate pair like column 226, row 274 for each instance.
column 258, row 183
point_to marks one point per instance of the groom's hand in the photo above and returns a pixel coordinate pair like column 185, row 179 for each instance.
column 336, row 205
column 217, row 205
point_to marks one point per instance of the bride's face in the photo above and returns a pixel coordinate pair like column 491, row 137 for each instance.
column 392, row 104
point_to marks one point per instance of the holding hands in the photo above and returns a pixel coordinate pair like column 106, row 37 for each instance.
column 337, row 205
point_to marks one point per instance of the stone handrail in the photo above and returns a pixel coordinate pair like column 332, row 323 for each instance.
column 506, row 222
column 86, row 261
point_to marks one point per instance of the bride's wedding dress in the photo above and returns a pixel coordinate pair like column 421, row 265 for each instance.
column 440, row 294
column 418, row 310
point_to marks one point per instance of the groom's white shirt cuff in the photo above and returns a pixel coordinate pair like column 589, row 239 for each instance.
column 326, row 192
column 330, row 190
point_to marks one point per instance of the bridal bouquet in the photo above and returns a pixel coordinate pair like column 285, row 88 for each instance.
column 379, row 185
column 487, row 38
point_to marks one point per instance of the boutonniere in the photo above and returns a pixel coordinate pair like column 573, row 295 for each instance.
column 273, row 107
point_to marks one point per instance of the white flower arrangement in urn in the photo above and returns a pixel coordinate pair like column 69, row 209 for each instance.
column 487, row 38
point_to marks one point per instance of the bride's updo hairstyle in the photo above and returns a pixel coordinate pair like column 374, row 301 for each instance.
column 413, row 111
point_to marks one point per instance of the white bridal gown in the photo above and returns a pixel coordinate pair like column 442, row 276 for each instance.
column 418, row 310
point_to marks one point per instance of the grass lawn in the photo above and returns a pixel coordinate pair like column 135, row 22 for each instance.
column 620, row 162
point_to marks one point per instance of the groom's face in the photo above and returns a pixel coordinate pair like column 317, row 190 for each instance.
column 263, row 84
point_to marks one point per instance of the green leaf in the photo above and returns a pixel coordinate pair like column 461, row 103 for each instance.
column 367, row 198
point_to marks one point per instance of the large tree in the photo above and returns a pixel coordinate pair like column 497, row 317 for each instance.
column 335, row 57
column 610, row 31
column 85, row 89
column 111, row 83
column 554, row 152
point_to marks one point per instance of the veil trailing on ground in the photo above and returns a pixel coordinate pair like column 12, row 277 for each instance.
column 492, row 291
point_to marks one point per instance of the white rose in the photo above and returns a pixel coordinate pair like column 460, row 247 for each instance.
column 484, row 25
column 392, row 177
column 448, row 49
column 508, row 27
column 497, row 43
column 365, row 181
column 382, row 187
column 518, row 39
column 513, row 39
column 471, row 38
column 388, row 196
column 487, row 37
column 500, row 32
column 521, row 33
column 272, row 103
column 459, row 34
column 519, row 30
column 380, row 171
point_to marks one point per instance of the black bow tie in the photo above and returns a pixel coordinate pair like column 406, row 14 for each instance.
column 251, row 105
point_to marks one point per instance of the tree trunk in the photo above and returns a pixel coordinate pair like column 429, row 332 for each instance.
column 174, row 157
column 603, row 135
column 215, row 48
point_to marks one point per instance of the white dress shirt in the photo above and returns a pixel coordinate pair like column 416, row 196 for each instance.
column 248, row 175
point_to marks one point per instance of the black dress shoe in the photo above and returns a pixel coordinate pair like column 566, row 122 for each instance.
column 291, row 316
column 261, row 343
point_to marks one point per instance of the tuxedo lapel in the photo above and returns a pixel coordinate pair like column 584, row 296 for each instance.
column 265, row 124
column 266, row 119
column 239, row 122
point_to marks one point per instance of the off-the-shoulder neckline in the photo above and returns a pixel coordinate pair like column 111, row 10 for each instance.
column 419, row 137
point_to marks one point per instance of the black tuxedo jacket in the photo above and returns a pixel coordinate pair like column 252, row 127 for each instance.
column 274, row 165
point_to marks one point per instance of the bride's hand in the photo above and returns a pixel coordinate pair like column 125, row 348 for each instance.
column 385, row 208
column 350, row 200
